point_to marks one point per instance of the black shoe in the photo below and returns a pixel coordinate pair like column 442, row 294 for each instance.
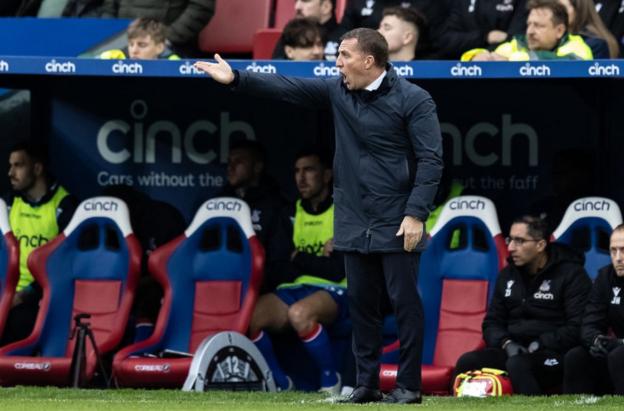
column 403, row 396
column 363, row 395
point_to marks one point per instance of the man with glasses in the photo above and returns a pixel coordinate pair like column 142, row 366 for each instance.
column 536, row 310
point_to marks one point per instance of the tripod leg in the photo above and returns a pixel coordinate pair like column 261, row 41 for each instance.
column 78, row 360
column 98, row 358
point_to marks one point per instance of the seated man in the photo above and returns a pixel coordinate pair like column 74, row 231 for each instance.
column 40, row 209
column 247, row 179
column 302, row 40
column 535, row 313
column 316, row 296
column 402, row 28
column 597, row 367
column 146, row 41
column 546, row 38
column 321, row 12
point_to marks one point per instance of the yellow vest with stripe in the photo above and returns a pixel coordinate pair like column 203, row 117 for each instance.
column 33, row 227
column 310, row 233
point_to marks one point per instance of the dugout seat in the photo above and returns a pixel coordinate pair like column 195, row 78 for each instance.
column 92, row 267
column 9, row 265
column 586, row 226
column 233, row 25
column 210, row 275
column 264, row 42
column 458, row 270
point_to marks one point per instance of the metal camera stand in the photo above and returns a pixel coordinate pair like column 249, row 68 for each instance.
column 81, row 331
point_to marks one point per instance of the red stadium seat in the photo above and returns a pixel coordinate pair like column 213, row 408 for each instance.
column 341, row 5
column 9, row 265
column 457, row 273
column 232, row 28
column 92, row 268
column 210, row 275
column 264, row 43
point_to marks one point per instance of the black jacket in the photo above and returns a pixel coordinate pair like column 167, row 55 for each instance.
column 470, row 21
column 605, row 307
column 388, row 159
column 273, row 228
column 547, row 307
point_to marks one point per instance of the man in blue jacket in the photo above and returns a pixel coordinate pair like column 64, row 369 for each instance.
column 387, row 166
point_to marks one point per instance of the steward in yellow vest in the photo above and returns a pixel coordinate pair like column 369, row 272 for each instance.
column 146, row 41
column 39, row 209
column 546, row 38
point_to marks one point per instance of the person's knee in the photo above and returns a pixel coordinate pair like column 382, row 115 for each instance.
column 518, row 365
column 300, row 317
column 468, row 361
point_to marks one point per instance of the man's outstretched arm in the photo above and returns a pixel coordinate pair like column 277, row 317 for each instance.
column 311, row 93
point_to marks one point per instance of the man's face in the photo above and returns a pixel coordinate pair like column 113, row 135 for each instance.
column 523, row 248
column 352, row 64
column 241, row 168
column 22, row 171
column 395, row 31
column 144, row 48
column 310, row 176
column 542, row 33
column 314, row 52
column 616, row 248
column 311, row 9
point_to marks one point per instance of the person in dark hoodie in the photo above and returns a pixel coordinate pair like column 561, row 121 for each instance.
column 535, row 314
column 248, row 181
column 597, row 367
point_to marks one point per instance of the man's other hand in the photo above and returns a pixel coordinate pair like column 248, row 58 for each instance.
column 411, row 229
column 219, row 71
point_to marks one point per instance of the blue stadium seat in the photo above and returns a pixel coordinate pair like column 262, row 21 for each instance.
column 465, row 252
column 9, row 265
column 587, row 226
column 210, row 275
column 92, row 268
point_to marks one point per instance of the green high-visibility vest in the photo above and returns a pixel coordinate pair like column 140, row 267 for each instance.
column 33, row 227
column 310, row 233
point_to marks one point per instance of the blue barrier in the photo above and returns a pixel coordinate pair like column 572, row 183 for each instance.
column 413, row 70
column 55, row 37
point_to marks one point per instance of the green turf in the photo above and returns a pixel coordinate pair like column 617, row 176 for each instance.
column 34, row 399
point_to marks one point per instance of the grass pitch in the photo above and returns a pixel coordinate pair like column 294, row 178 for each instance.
column 52, row 399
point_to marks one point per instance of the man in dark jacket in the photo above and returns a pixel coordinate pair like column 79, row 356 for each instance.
column 475, row 24
column 248, row 181
column 387, row 166
column 535, row 313
column 185, row 18
column 597, row 367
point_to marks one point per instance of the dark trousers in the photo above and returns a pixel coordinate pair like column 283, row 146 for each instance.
column 20, row 322
column 530, row 374
column 584, row 374
column 370, row 277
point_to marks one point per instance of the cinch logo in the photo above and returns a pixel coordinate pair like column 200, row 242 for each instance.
column 54, row 66
column 261, row 68
column 322, row 70
column 165, row 368
column 535, row 71
column 127, row 68
column 599, row 70
column 543, row 296
column 217, row 205
column 597, row 205
column 40, row 366
column 466, row 145
column 33, row 241
column 4, row 66
column 404, row 71
column 188, row 69
column 466, row 71
column 101, row 206
column 142, row 138
column 467, row 205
